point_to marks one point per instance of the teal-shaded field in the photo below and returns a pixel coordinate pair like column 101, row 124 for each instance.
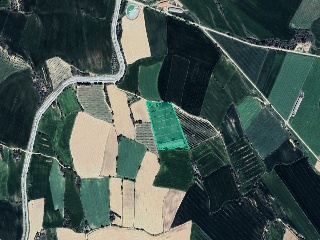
column 295, row 214
column 265, row 133
column 289, row 82
column 130, row 157
column 306, row 120
column 307, row 12
column 95, row 201
column 148, row 81
column 175, row 170
column 68, row 101
column 248, row 109
column 166, row 126
column 210, row 156
column 197, row 233
column 57, row 186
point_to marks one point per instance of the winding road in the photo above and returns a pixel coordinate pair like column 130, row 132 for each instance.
column 49, row 100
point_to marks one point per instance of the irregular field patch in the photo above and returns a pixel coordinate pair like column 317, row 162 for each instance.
column 175, row 170
column 68, row 101
column 248, row 109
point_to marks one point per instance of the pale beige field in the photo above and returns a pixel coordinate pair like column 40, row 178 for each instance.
column 59, row 70
column 127, row 203
column 139, row 111
column 68, row 234
column 115, row 186
column 109, row 165
column 170, row 207
column 134, row 38
column 87, row 144
column 120, row 108
column 36, row 211
column 317, row 166
column 288, row 235
column 181, row 232
column 149, row 199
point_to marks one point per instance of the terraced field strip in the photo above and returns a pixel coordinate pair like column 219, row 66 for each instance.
column 166, row 126
column 292, row 75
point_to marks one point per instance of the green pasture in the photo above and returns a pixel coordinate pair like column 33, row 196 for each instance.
column 248, row 110
column 289, row 82
column 57, row 186
column 95, row 201
column 68, row 101
column 307, row 12
column 130, row 157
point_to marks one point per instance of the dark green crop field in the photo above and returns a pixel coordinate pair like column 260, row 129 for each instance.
column 175, row 170
column 18, row 105
column 187, row 68
column 11, row 220
column 221, row 187
column 77, row 31
column 262, row 19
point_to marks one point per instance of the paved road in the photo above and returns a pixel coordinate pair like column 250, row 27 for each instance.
column 48, row 101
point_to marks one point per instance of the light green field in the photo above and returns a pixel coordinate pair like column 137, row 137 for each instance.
column 57, row 185
column 166, row 126
column 292, row 75
column 295, row 214
column 130, row 157
column 69, row 102
column 306, row 121
column 248, row 109
column 95, row 201
column 308, row 11
column 148, row 81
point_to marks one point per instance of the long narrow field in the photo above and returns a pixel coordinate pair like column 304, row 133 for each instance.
column 166, row 127
column 289, row 82
column 36, row 211
column 128, row 195
column 57, row 186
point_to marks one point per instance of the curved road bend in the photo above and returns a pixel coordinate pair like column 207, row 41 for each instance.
column 48, row 102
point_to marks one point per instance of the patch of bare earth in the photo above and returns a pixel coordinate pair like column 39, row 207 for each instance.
column 87, row 144
column 181, row 232
column 127, row 203
column 115, row 188
column 109, row 165
column 120, row 108
column 68, row 234
column 149, row 199
column 36, row 211
column 171, row 204
column 134, row 38
column 59, row 71
column 140, row 111
column 288, row 235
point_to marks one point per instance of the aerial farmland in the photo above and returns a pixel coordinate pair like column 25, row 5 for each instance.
column 159, row 120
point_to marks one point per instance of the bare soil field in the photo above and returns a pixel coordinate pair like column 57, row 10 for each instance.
column 88, row 143
column 181, row 232
column 134, row 38
column 171, row 204
column 288, row 235
column 68, row 234
column 115, row 188
column 109, row 165
column 119, row 105
column 36, row 211
column 149, row 199
column 127, row 203
column 59, row 71
column 140, row 111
